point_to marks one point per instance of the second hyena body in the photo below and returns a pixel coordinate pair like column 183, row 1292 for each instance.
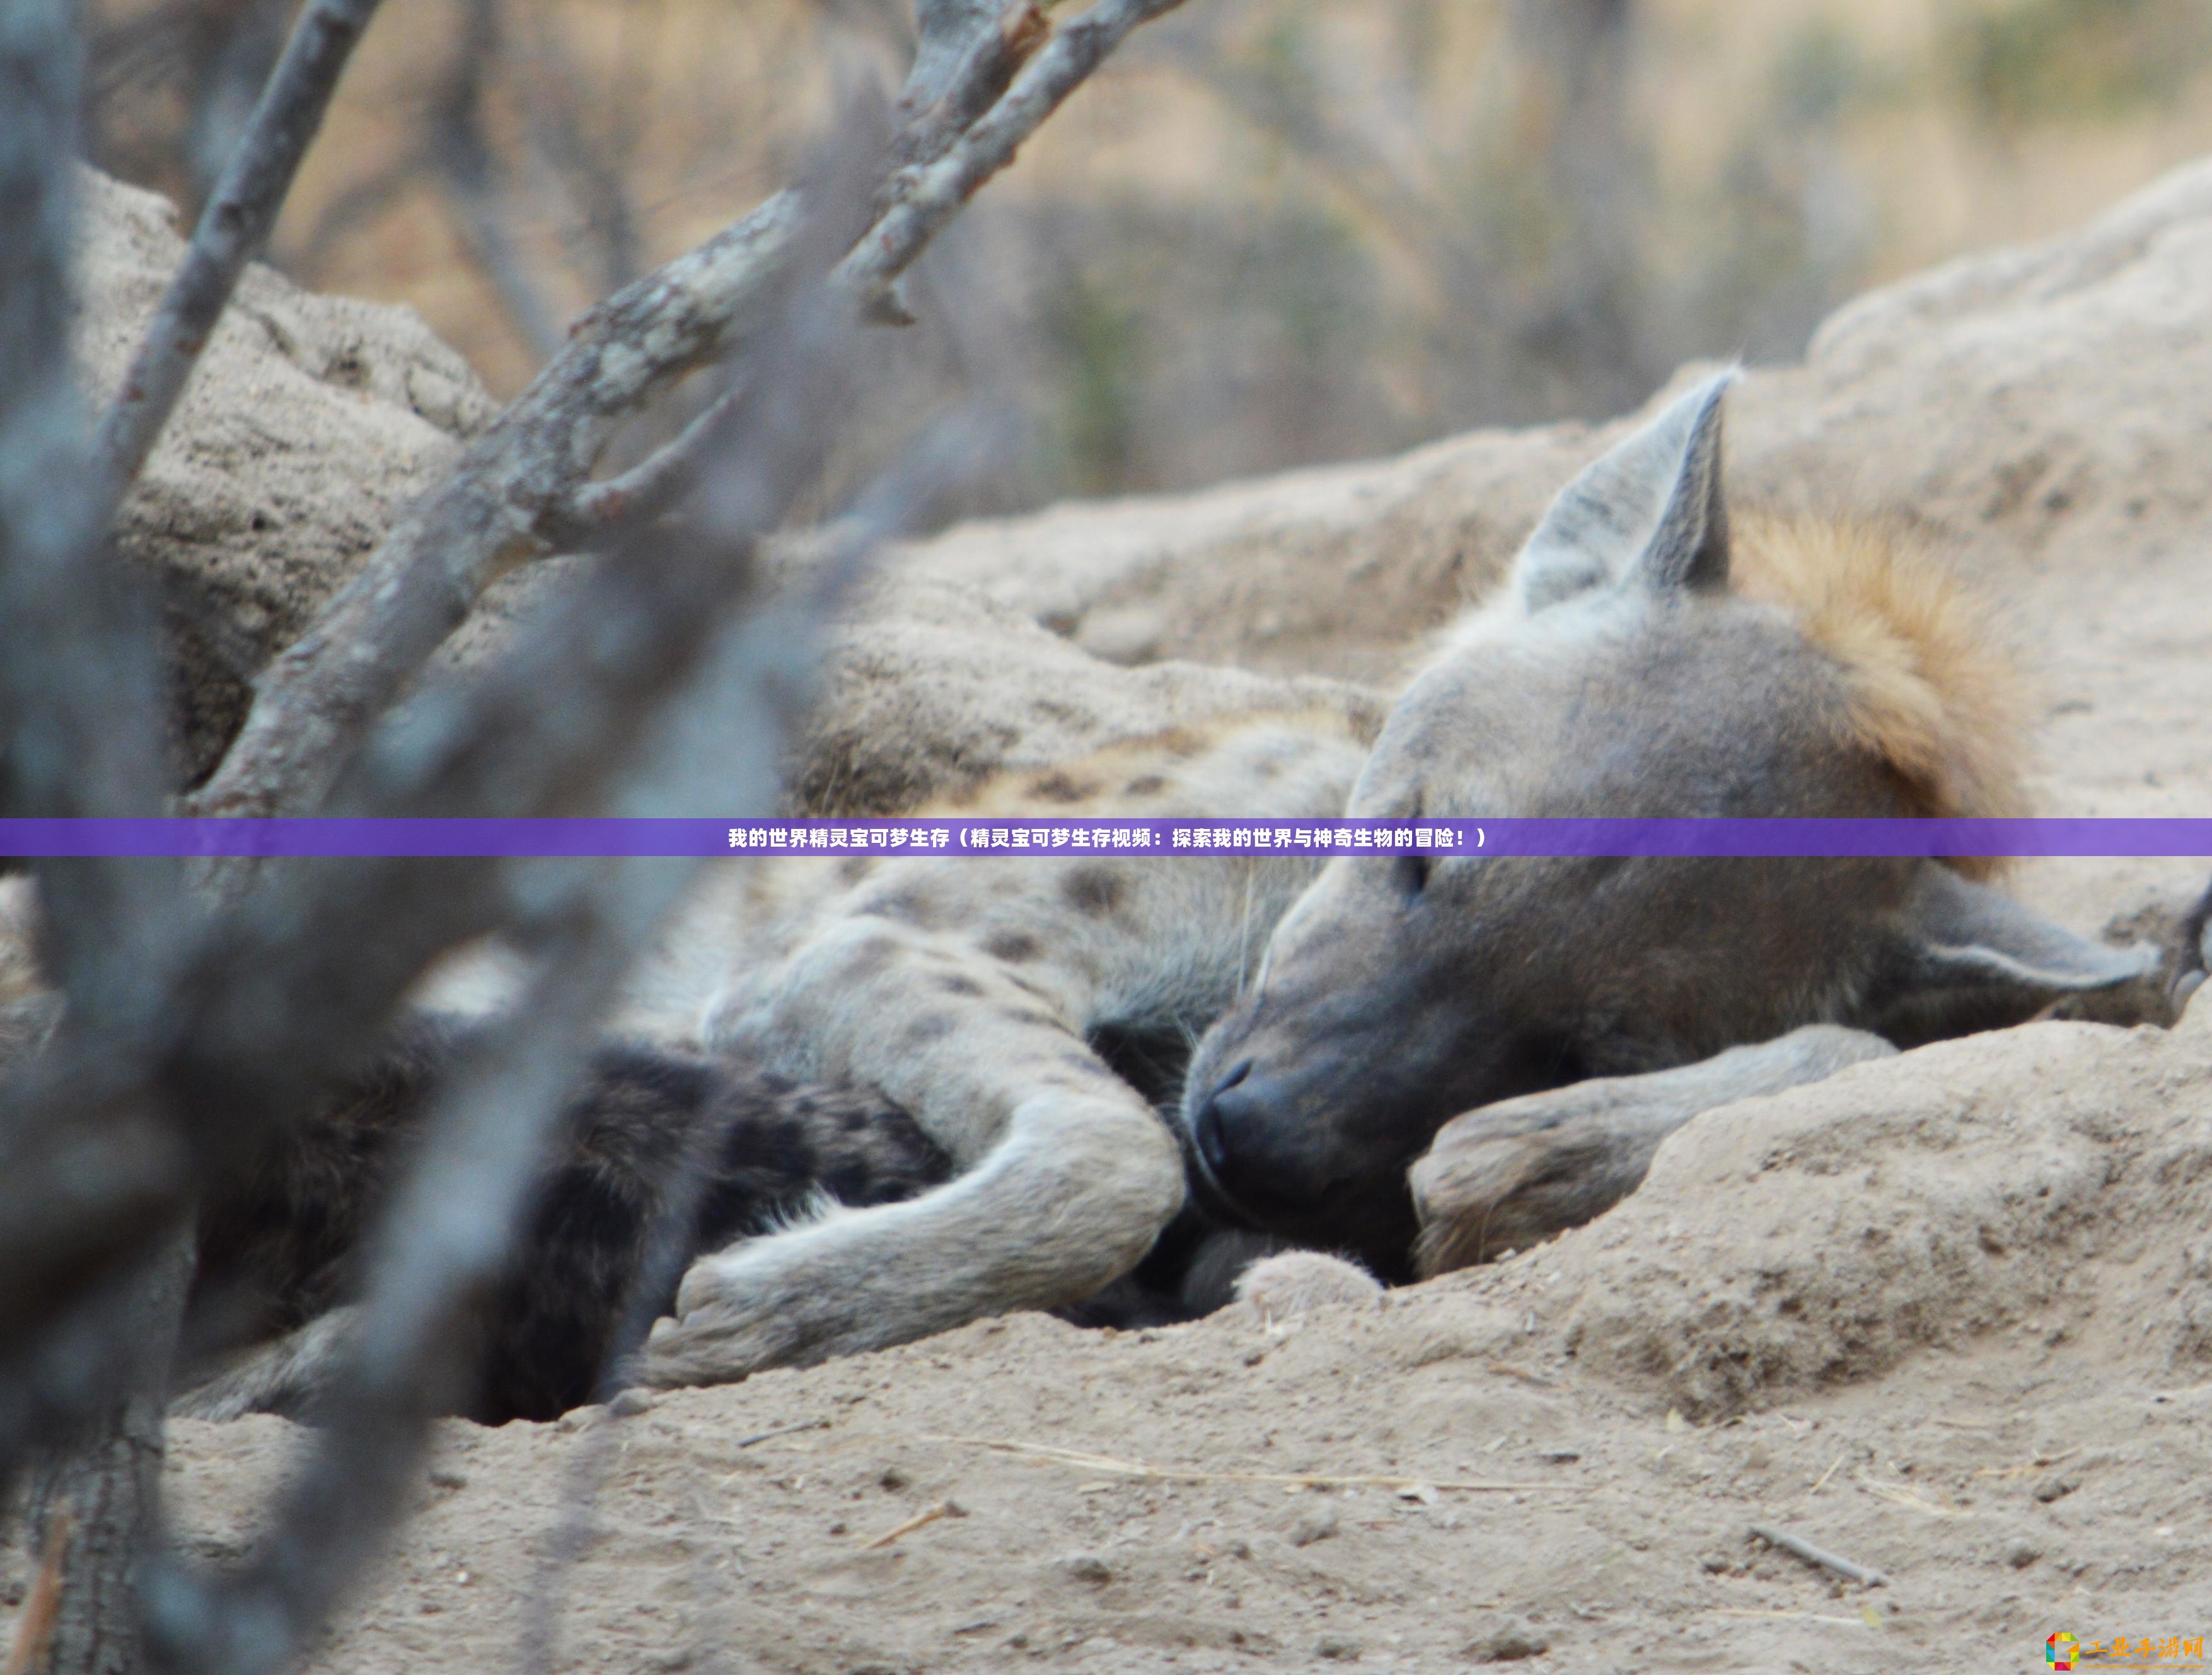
column 1342, row 1012
column 1034, row 1012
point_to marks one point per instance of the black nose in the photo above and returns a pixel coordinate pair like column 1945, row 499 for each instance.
column 1210, row 1128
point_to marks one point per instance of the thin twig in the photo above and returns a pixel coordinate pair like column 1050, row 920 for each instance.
column 1818, row 1558
column 1130, row 1468
column 476, row 185
column 928, row 1515
column 563, row 715
column 232, row 229
column 35, row 1627
column 759, row 1436
column 648, row 488
column 935, row 193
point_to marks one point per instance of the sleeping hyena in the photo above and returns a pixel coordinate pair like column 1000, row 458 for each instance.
column 1641, row 660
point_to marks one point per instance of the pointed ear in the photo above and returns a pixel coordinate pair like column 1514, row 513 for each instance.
column 1969, row 957
column 1650, row 509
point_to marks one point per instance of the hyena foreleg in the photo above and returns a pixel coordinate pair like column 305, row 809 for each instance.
column 1506, row 1176
column 1070, row 1176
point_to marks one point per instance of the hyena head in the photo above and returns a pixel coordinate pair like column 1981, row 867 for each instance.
column 1623, row 673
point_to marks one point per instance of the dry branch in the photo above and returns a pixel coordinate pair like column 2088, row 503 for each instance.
column 80, row 692
column 79, row 687
column 232, row 229
column 512, row 496
column 1113, row 1467
column 34, row 1630
column 669, row 618
column 928, row 1515
column 466, row 167
column 1818, row 1558
column 931, row 195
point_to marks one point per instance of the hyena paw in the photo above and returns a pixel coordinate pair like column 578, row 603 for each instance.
column 1485, row 1198
column 2177, row 924
column 1295, row 1283
column 731, row 1321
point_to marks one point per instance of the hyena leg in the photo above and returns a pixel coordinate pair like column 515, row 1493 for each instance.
column 1070, row 1200
column 289, row 1375
column 2179, row 926
column 1507, row 1175
column 1068, row 1175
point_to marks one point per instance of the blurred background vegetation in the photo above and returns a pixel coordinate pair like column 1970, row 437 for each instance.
column 1273, row 231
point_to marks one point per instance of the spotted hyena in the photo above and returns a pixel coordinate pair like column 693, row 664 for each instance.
column 661, row 1154
column 1314, row 1025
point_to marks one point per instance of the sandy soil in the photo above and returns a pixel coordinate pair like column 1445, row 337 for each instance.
column 1997, row 1391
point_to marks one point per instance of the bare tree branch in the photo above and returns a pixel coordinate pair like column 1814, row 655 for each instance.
column 969, row 52
column 668, row 594
column 1594, row 325
column 79, row 690
column 236, row 55
column 593, row 168
column 929, row 197
column 80, row 700
column 232, row 229
column 314, row 700
column 646, row 489
column 510, row 497
column 476, row 185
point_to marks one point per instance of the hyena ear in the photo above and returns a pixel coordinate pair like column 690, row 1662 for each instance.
column 1970, row 958
column 1651, row 510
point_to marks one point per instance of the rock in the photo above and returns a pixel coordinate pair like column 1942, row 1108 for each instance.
column 309, row 421
column 1511, row 1641
column 1317, row 1524
column 1087, row 1569
column 1297, row 1282
column 629, row 1403
column 2020, row 1554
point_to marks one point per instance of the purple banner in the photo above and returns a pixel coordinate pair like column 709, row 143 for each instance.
column 182, row 837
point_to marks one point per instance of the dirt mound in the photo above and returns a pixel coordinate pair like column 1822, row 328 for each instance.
column 2055, row 1178
column 308, row 422
column 2042, row 408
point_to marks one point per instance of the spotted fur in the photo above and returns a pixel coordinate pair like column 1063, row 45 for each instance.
column 662, row 1155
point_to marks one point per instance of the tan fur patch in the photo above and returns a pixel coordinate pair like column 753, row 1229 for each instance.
column 1102, row 781
column 1929, row 692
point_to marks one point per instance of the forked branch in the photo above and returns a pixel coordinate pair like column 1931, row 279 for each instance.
column 519, row 491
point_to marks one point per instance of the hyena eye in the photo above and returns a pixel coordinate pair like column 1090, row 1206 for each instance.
column 1412, row 873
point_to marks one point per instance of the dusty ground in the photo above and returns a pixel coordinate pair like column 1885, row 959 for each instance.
column 1949, row 1314
column 1971, row 1323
